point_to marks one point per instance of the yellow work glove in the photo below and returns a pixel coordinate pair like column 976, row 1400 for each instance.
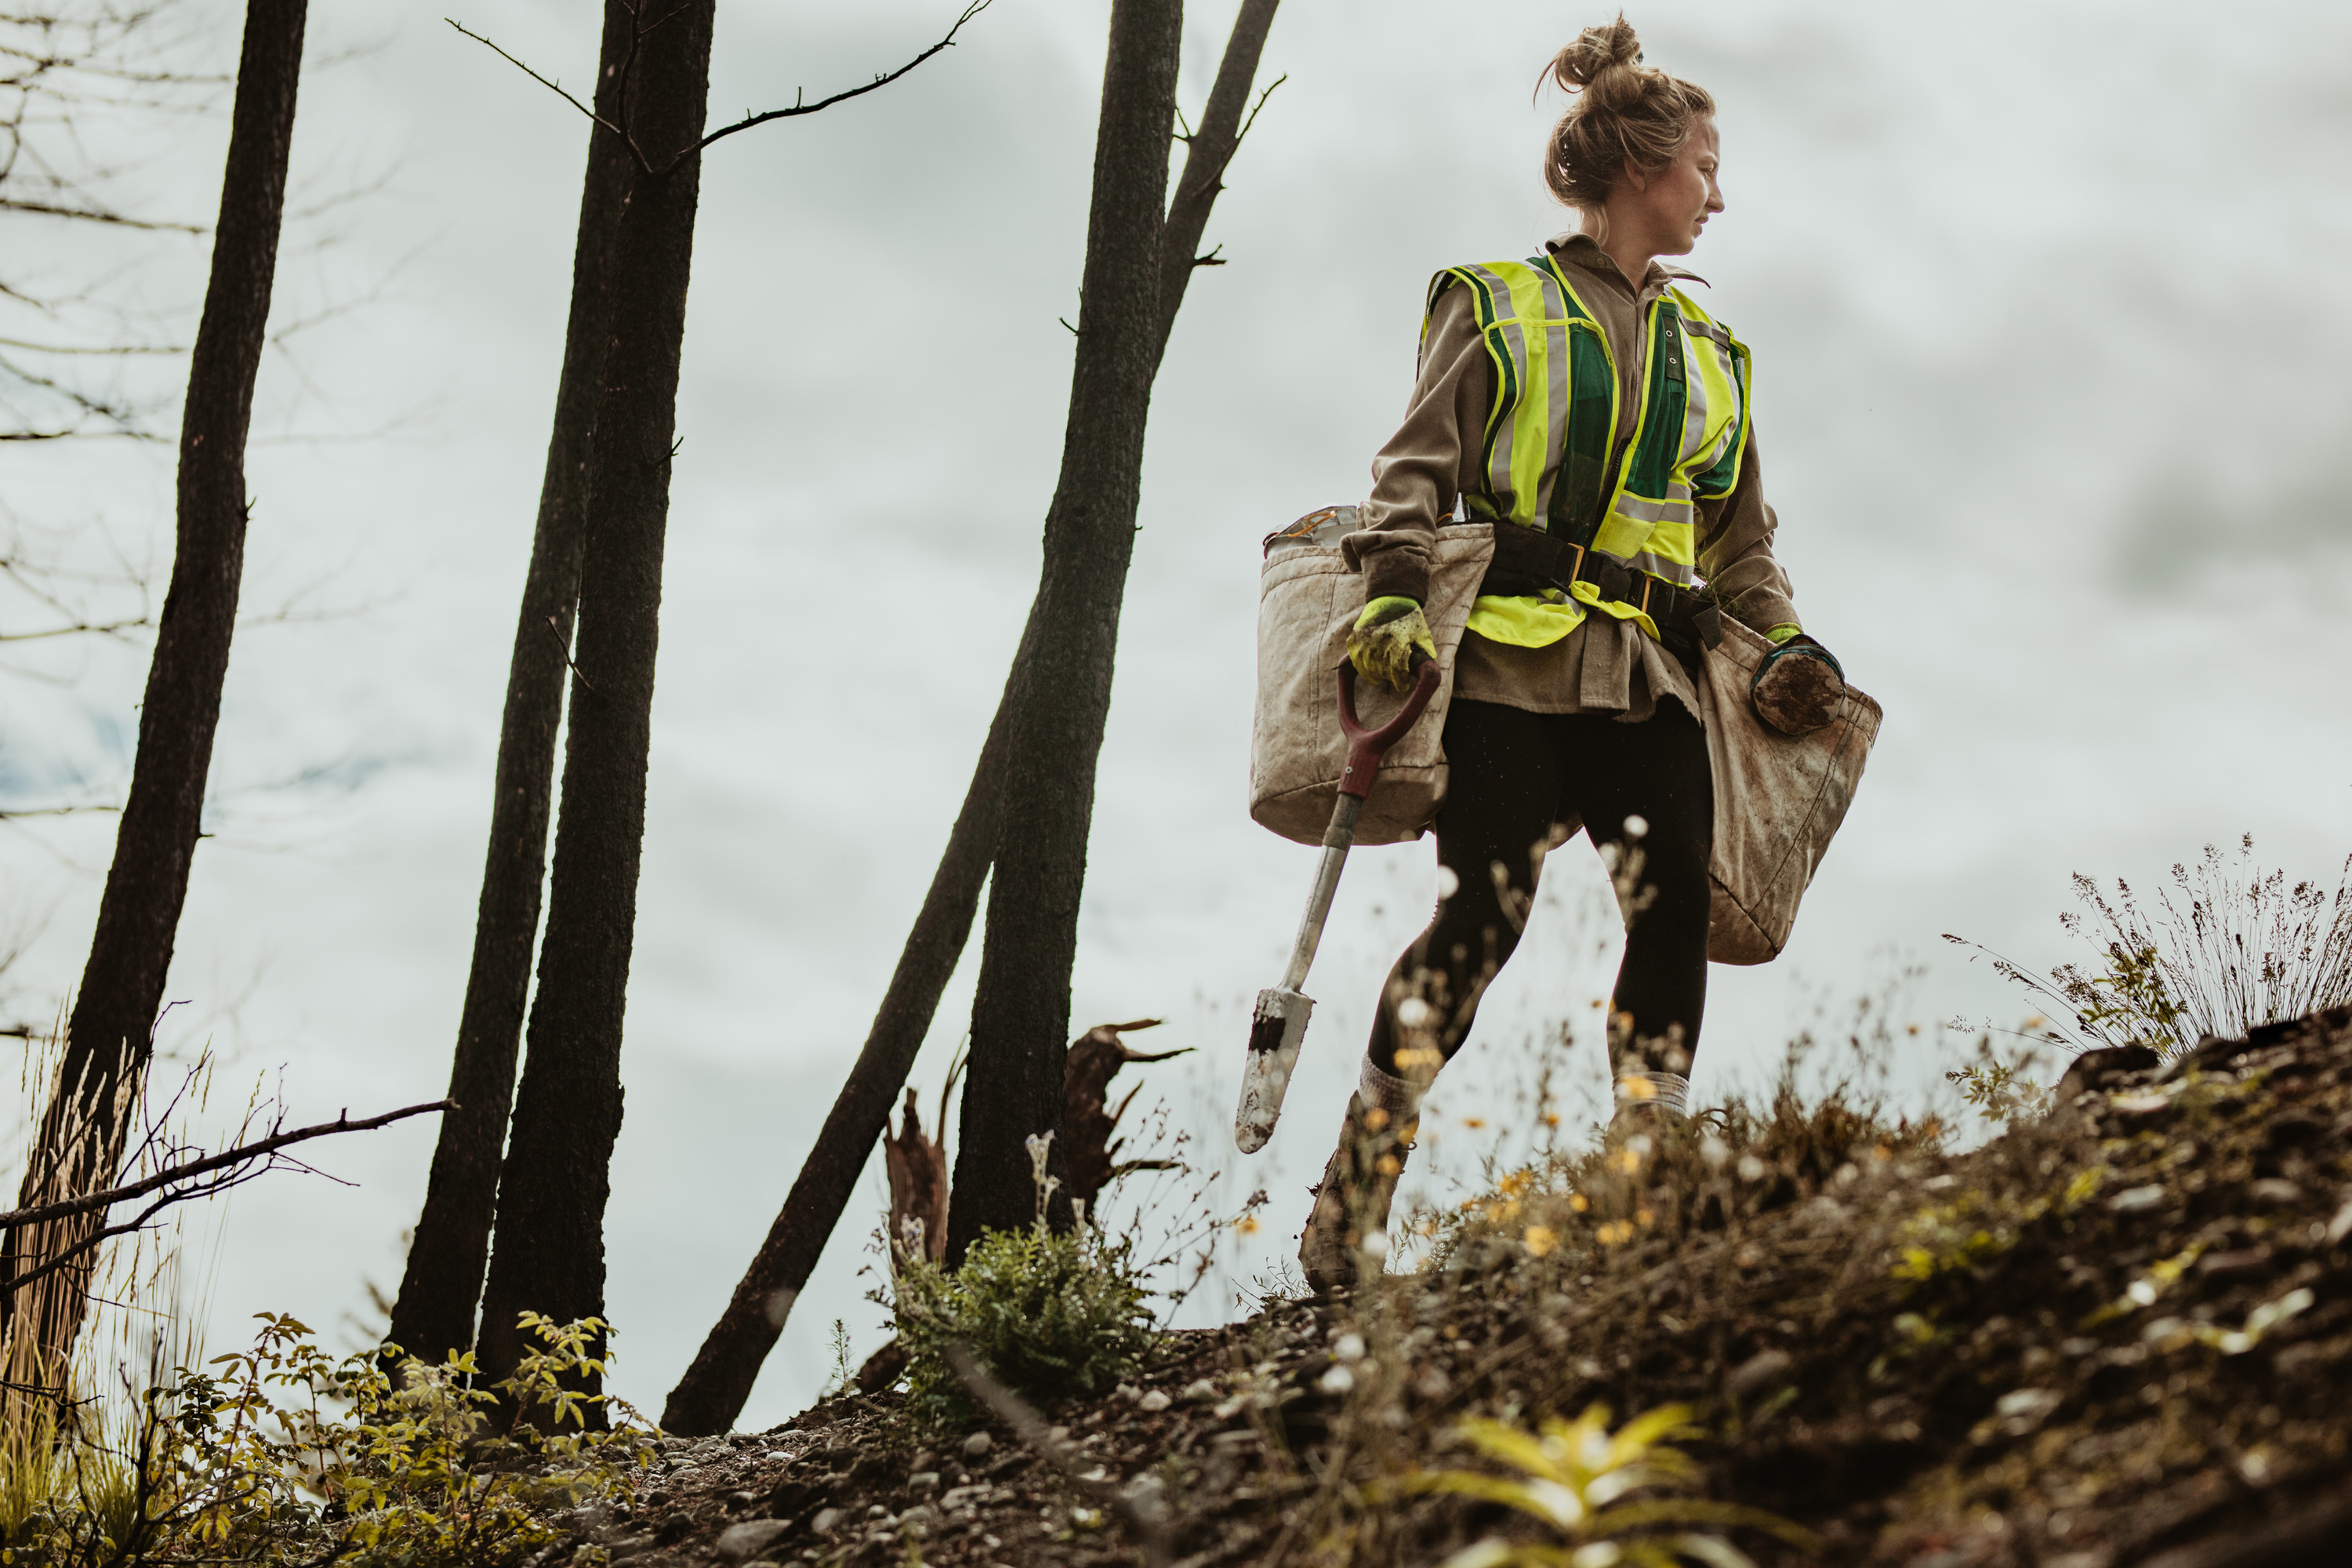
column 1382, row 647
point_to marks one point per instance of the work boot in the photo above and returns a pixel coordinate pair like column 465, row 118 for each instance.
column 1353, row 1200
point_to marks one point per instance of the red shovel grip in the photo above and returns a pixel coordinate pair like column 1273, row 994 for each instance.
column 1365, row 747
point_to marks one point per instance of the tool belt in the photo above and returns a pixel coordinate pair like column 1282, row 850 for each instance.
column 1528, row 561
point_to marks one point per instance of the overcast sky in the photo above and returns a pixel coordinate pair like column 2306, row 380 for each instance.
column 2046, row 301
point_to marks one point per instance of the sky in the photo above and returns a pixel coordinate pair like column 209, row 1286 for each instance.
column 2043, row 300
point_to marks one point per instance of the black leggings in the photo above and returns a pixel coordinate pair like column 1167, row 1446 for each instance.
column 1513, row 775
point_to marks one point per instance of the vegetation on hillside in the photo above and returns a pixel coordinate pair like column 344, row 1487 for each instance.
column 1835, row 1334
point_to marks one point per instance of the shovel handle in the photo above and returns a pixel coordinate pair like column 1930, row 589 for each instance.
column 1365, row 747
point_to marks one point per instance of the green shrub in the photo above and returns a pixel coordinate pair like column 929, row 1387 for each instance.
column 1049, row 1314
column 282, row 1455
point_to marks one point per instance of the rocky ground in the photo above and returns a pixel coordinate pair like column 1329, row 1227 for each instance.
column 2119, row 1333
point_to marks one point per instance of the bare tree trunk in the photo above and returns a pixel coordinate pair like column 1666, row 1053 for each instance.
column 1022, row 1014
column 1021, row 1018
column 1206, row 157
column 435, row 1313
column 81, row 1135
column 549, row 1251
column 712, row 1393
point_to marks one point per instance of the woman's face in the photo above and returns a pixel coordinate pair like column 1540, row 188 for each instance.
column 1670, row 207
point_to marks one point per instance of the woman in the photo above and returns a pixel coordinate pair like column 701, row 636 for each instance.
column 1600, row 418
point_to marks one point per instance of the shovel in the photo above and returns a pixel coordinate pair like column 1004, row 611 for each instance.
column 1279, row 1022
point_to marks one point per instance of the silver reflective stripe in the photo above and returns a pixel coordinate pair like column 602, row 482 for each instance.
column 1657, row 566
column 1498, row 466
column 1649, row 561
column 1556, row 361
column 1674, row 508
column 1693, row 413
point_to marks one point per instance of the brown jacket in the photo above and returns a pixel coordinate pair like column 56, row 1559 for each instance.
column 1605, row 665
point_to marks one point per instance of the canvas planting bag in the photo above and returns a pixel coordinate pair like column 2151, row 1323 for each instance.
column 1308, row 599
column 1778, row 799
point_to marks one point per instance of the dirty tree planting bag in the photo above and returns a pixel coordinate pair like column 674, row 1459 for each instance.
column 1778, row 799
column 1308, row 599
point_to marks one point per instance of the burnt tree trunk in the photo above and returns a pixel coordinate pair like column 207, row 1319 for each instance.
column 549, row 1255
column 1206, row 157
column 435, row 1313
column 712, row 1393
column 111, row 1036
column 1020, row 1020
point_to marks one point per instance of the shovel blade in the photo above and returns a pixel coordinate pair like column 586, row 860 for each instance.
column 1276, row 1027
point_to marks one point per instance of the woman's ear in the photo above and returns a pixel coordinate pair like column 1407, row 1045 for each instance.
column 1629, row 175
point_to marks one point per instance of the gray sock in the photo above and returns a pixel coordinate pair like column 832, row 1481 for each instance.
column 1393, row 1094
column 1657, row 1090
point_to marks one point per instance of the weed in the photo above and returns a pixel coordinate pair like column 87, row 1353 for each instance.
column 2240, row 949
column 1571, row 1480
column 1999, row 1091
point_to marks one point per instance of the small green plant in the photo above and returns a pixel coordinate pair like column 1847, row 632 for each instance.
column 1050, row 1314
column 2000, row 1092
column 1574, row 1478
column 845, row 1370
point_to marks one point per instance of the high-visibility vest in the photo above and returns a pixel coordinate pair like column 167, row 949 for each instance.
column 1545, row 454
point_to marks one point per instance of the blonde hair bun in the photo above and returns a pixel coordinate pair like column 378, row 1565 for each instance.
column 1607, row 57
column 1623, row 112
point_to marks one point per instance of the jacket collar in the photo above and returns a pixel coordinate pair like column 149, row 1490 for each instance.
column 1580, row 250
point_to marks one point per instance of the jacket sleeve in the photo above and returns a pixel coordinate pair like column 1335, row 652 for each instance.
column 1417, row 475
column 1735, row 552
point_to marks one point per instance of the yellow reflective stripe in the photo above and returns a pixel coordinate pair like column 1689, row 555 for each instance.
column 1523, row 621
column 1505, row 337
column 1669, row 556
column 1532, row 420
column 1590, row 594
column 1621, row 536
column 1720, row 377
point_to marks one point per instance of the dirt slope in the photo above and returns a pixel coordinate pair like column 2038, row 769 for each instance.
column 2118, row 1334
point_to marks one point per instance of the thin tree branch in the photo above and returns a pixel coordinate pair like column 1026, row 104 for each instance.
column 96, row 1238
column 96, row 214
column 551, row 86
column 1262, row 97
column 41, row 1213
column 112, row 351
column 974, row 9
column 98, row 628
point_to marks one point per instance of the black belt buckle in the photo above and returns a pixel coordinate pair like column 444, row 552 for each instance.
column 1615, row 583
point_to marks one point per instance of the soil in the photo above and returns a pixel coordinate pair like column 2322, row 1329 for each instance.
column 2120, row 1333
